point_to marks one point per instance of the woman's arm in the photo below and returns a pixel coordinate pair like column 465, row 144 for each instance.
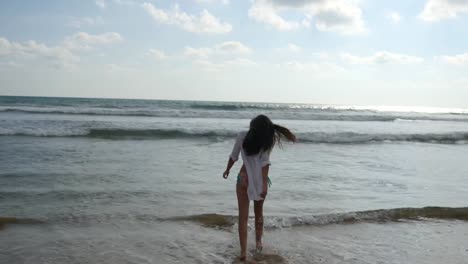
column 228, row 168
column 234, row 155
column 265, row 170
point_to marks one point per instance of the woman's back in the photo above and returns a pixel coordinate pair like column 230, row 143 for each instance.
column 253, row 165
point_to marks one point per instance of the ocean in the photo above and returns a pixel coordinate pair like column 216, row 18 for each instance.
column 140, row 181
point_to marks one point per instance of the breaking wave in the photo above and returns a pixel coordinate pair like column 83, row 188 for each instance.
column 271, row 222
column 310, row 137
column 240, row 111
column 380, row 216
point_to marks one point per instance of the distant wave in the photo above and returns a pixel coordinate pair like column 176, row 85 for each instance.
column 233, row 106
column 357, row 138
column 66, row 195
column 192, row 105
column 157, row 133
column 19, row 103
column 80, row 111
column 128, row 134
column 311, row 137
column 232, row 112
column 382, row 215
column 259, row 106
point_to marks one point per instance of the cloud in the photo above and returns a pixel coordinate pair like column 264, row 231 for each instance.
column 79, row 22
column 104, row 3
column 340, row 16
column 382, row 57
column 394, row 17
column 224, row 2
column 225, row 48
column 83, row 40
column 197, row 52
column 208, row 65
column 289, row 48
column 56, row 55
column 205, row 23
column 125, row 2
column 320, row 67
column 436, row 10
column 294, row 48
column 5, row 46
column 157, row 54
column 63, row 54
column 101, row 3
column 459, row 60
column 295, row 3
column 266, row 13
column 232, row 47
column 220, row 56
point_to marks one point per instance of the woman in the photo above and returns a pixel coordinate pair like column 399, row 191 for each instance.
column 252, row 180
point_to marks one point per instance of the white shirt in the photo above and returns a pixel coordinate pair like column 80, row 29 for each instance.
column 253, row 164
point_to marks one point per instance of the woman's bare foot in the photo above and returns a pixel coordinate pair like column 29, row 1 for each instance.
column 259, row 247
column 243, row 256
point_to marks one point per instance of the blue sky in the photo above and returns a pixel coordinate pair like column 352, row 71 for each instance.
column 363, row 52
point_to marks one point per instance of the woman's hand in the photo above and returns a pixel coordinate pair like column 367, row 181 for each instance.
column 225, row 174
column 264, row 191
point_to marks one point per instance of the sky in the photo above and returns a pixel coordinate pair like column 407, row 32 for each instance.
column 352, row 52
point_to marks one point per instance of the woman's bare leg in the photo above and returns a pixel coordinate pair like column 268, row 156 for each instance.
column 258, row 209
column 243, row 204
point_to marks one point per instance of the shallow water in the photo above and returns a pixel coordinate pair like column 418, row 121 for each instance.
column 186, row 242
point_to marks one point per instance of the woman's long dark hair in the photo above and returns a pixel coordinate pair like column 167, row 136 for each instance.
column 263, row 135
